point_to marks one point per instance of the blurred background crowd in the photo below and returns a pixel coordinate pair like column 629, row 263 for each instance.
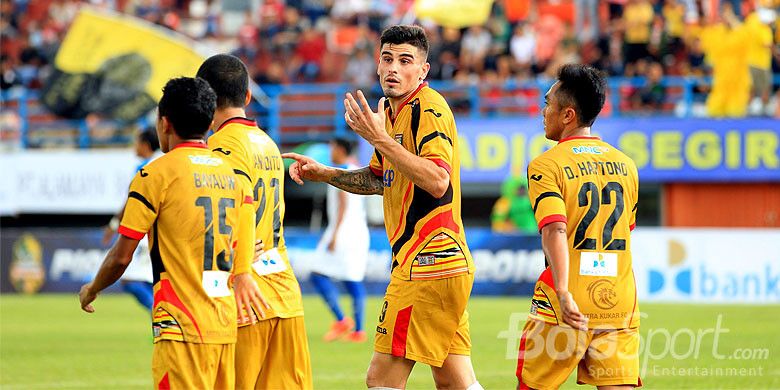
column 302, row 41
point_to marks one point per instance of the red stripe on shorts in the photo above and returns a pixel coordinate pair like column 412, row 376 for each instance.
column 164, row 384
column 400, row 331
column 520, row 361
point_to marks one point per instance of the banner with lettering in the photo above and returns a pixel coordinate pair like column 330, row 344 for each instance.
column 664, row 149
column 62, row 259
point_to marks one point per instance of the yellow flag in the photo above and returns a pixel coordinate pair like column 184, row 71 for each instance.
column 115, row 65
column 454, row 13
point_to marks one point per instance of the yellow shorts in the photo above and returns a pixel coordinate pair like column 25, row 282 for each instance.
column 273, row 354
column 425, row 320
column 180, row 365
column 548, row 354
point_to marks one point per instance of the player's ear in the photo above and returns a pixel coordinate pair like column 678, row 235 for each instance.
column 165, row 126
column 248, row 97
column 569, row 115
column 425, row 69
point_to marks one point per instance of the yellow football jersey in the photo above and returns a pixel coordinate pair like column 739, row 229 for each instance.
column 188, row 201
column 256, row 160
column 426, row 234
column 593, row 187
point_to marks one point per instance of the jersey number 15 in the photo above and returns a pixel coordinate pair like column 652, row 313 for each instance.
column 224, row 260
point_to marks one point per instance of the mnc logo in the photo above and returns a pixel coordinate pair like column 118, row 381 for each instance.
column 680, row 275
column 388, row 177
column 585, row 149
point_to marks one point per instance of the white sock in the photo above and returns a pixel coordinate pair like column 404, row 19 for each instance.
column 475, row 386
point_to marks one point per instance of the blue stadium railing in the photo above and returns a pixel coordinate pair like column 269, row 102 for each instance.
column 314, row 112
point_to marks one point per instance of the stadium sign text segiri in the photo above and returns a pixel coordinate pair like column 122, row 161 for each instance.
column 664, row 149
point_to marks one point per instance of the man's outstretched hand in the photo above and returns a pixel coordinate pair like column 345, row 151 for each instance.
column 305, row 168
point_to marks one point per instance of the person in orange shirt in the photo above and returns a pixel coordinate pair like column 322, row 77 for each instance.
column 273, row 352
column 197, row 217
column 416, row 168
column 584, row 192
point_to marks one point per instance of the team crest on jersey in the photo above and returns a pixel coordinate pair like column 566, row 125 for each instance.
column 585, row 149
column 602, row 294
column 399, row 138
column 205, row 160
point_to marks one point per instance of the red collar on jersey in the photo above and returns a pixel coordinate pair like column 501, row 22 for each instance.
column 408, row 99
column 191, row 144
column 578, row 137
column 239, row 120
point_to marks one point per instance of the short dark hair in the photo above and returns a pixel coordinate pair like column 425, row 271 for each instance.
column 228, row 77
column 344, row 143
column 413, row 35
column 189, row 105
column 584, row 88
column 149, row 137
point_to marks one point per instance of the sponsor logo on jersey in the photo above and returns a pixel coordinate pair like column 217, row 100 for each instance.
column 142, row 173
column 585, row 149
column 399, row 138
column 598, row 264
column 205, row 160
column 536, row 177
column 436, row 114
column 223, row 151
column 388, row 177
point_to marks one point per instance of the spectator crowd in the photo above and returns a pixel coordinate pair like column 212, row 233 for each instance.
column 734, row 42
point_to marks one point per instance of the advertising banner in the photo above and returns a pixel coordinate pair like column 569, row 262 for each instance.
column 707, row 265
column 60, row 260
column 670, row 265
column 664, row 149
column 65, row 182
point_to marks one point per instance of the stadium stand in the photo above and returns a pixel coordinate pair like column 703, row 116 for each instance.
column 651, row 49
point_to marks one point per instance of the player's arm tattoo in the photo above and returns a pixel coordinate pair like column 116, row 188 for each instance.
column 359, row 181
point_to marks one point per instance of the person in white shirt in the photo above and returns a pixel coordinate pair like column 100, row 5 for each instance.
column 522, row 46
column 343, row 251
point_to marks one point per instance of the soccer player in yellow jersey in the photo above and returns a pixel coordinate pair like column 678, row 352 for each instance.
column 191, row 205
column 584, row 193
column 416, row 167
column 272, row 353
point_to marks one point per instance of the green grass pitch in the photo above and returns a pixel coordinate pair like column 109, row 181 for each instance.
column 47, row 342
